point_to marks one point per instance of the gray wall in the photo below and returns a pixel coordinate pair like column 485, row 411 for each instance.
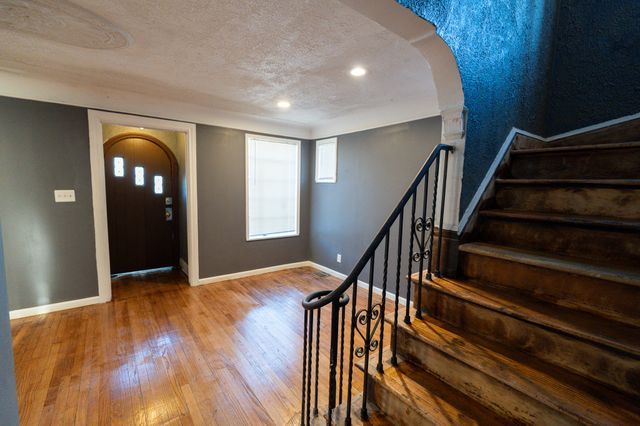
column 221, row 208
column 50, row 247
column 375, row 167
column 8, row 402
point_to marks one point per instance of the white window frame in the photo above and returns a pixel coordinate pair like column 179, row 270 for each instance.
column 319, row 143
column 296, row 233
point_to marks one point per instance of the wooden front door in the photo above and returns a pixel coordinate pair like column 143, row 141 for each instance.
column 142, row 183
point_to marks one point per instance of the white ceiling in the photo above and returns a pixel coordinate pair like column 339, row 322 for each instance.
column 236, row 56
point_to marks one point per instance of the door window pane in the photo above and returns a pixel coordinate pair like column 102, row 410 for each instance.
column 139, row 172
column 273, row 187
column 157, row 184
column 118, row 166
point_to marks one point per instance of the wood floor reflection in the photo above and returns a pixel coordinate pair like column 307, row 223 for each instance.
column 165, row 353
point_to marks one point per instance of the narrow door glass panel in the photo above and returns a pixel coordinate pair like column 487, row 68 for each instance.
column 139, row 172
column 157, row 184
column 118, row 166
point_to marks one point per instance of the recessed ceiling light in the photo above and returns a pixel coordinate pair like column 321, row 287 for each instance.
column 358, row 71
column 284, row 104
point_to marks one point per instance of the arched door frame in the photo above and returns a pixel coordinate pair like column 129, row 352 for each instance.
column 421, row 34
column 98, row 186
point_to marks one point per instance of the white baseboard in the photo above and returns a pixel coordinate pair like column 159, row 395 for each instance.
column 243, row 274
column 54, row 307
column 361, row 284
column 184, row 266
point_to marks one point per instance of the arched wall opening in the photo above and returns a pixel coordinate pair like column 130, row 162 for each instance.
column 421, row 34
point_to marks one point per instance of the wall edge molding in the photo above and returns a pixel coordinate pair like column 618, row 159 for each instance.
column 361, row 284
column 251, row 272
column 55, row 307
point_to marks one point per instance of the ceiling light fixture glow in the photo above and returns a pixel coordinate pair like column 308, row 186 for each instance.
column 284, row 104
column 358, row 71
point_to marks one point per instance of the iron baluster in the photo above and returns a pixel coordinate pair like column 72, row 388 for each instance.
column 394, row 343
column 342, row 310
column 433, row 216
column 304, row 364
column 315, row 403
column 333, row 357
column 347, row 419
column 407, row 318
column 423, row 224
column 384, row 298
column 441, row 230
column 308, row 412
column 367, row 338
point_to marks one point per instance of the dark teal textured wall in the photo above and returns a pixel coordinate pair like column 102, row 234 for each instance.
column 503, row 49
column 596, row 66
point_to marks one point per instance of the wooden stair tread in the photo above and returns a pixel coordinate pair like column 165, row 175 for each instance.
column 578, row 220
column 582, row 325
column 573, row 148
column 553, row 386
column 626, row 183
column 554, row 262
column 435, row 399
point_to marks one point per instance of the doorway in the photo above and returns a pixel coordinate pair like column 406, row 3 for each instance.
column 143, row 202
column 120, row 132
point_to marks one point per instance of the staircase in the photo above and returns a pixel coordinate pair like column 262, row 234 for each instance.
column 542, row 325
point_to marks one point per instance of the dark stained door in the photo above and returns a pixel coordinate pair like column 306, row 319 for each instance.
column 142, row 182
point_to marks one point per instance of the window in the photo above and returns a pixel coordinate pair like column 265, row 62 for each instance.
column 273, row 187
column 139, row 174
column 118, row 166
column 326, row 160
column 157, row 184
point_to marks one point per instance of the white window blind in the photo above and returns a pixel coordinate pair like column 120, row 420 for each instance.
column 273, row 187
column 326, row 160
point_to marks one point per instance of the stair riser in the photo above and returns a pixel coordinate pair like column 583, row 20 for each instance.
column 480, row 386
column 618, row 302
column 585, row 358
column 594, row 201
column 389, row 403
column 599, row 164
column 614, row 246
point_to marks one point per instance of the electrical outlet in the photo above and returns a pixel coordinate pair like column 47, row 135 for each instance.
column 65, row 195
column 339, row 258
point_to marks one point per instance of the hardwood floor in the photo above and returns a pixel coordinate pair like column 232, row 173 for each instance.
column 165, row 353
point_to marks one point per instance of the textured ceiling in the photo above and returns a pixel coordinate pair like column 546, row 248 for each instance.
column 239, row 56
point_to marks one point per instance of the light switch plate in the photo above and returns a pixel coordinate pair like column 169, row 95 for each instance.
column 65, row 195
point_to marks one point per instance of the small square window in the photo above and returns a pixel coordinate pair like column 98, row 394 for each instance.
column 157, row 184
column 139, row 173
column 326, row 160
column 118, row 166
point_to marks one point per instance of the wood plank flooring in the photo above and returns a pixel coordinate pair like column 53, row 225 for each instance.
column 163, row 352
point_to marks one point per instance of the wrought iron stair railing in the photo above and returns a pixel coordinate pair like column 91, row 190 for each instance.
column 366, row 325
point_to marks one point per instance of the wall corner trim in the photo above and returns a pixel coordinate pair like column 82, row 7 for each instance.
column 54, row 307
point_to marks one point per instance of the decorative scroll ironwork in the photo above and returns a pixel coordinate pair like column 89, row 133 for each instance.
column 361, row 321
column 421, row 225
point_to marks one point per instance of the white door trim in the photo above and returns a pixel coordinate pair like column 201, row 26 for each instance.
column 98, row 187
